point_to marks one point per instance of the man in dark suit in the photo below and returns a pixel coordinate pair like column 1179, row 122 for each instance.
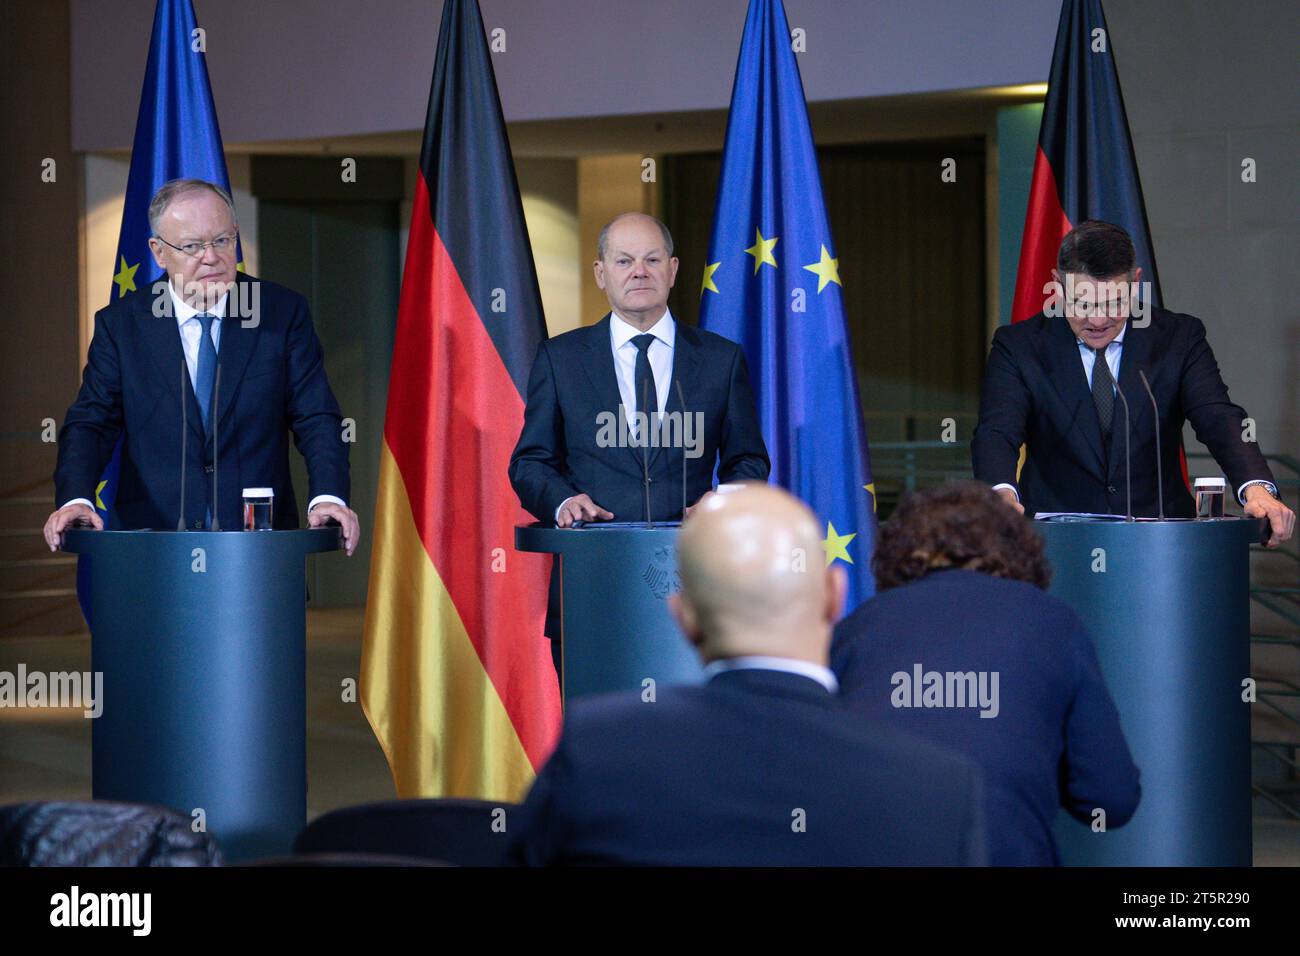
column 160, row 348
column 762, row 765
column 588, row 444
column 1050, row 385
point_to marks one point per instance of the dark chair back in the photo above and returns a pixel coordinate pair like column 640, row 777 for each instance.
column 101, row 833
column 459, row 832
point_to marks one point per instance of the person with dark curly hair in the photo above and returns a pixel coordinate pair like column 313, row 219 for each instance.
column 963, row 647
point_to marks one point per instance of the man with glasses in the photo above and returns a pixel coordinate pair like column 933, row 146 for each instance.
column 1050, row 384
column 215, row 352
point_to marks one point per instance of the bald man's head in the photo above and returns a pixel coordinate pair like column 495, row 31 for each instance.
column 754, row 577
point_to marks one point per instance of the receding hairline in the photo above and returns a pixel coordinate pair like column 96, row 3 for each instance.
column 176, row 189
column 602, row 241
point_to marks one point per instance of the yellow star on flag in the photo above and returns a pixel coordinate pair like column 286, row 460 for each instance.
column 707, row 284
column 761, row 250
column 827, row 270
column 99, row 502
column 125, row 278
column 871, row 489
column 836, row 545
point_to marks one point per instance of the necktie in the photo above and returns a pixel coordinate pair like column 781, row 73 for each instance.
column 1103, row 390
column 207, row 370
column 644, row 379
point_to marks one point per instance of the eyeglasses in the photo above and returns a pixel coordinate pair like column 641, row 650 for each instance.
column 221, row 244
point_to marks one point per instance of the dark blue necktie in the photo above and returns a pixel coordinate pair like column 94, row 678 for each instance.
column 1103, row 390
column 207, row 370
column 644, row 379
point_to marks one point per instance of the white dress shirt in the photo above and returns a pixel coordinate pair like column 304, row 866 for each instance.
column 624, row 350
column 191, row 332
column 1114, row 351
column 788, row 665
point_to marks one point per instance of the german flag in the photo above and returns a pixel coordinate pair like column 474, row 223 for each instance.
column 456, row 679
column 1085, row 167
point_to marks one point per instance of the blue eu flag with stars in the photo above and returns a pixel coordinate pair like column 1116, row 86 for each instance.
column 176, row 137
column 772, row 283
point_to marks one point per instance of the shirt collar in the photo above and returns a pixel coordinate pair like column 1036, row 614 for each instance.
column 621, row 331
column 1117, row 340
column 184, row 311
column 788, row 665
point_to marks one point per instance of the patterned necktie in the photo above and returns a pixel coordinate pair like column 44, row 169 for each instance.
column 644, row 379
column 207, row 370
column 1103, row 390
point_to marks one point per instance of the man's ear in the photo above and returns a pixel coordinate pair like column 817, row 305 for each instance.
column 672, row 271
column 156, row 248
column 837, row 588
column 598, row 269
column 685, row 617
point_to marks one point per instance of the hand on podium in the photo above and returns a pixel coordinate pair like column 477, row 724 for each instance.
column 580, row 508
column 74, row 513
column 1281, row 519
column 340, row 514
column 1010, row 498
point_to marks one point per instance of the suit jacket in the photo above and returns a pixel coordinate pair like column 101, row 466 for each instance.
column 1036, row 393
column 1056, row 738
column 573, row 382
column 755, row 768
column 560, row 454
column 273, row 383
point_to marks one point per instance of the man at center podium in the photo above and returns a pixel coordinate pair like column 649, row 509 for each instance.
column 588, row 450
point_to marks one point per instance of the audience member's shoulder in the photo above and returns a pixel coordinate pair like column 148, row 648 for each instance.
column 889, row 748
column 601, row 714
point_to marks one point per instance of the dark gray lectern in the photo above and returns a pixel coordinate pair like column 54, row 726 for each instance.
column 1170, row 618
column 201, row 638
column 617, row 629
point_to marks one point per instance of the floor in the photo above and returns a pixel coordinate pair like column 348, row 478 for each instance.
column 45, row 753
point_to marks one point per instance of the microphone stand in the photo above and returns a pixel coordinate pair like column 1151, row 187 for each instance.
column 185, row 427
column 1128, row 471
column 216, row 405
column 645, row 452
column 681, row 400
column 1160, row 479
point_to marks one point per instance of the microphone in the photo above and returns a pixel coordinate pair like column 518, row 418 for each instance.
column 185, row 427
column 645, row 450
column 1128, row 471
column 216, row 405
column 1160, row 479
column 681, row 400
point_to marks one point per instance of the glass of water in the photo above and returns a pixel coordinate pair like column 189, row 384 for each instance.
column 257, row 508
column 1210, row 493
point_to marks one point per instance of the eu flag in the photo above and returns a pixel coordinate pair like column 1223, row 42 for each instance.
column 772, row 283
column 176, row 137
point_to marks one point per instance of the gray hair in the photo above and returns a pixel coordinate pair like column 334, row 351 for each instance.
column 602, row 243
column 176, row 188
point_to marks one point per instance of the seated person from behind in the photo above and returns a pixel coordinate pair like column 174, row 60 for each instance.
column 761, row 765
column 960, row 580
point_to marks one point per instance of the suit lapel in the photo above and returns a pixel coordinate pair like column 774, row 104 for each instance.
column 1066, row 370
column 162, row 340
column 237, row 344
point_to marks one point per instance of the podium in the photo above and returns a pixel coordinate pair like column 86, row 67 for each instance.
column 617, row 630
column 1167, row 605
column 201, row 640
